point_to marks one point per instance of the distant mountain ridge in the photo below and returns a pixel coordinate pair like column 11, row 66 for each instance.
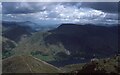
column 72, row 43
column 15, row 30
column 86, row 36
column 69, row 47
column 32, row 25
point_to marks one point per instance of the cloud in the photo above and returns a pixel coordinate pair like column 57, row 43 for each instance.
column 24, row 7
column 30, row 7
column 57, row 13
column 111, row 7
column 0, row 12
column 0, row 8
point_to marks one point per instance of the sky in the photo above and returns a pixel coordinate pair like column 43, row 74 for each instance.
column 51, row 13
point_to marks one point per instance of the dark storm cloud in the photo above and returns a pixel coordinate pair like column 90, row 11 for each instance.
column 75, row 12
column 18, row 7
column 111, row 7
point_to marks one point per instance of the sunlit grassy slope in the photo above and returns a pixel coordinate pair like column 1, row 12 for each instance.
column 27, row 64
column 37, row 47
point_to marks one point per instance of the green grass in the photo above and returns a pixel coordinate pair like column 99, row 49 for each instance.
column 45, row 58
column 36, row 43
column 72, row 67
column 42, row 56
column 7, row 53
column 7, row 47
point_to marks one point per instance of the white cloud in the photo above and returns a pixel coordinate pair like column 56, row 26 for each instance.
column 63, row 13
column 0, row 12
column 60, row 0
column 0, row 8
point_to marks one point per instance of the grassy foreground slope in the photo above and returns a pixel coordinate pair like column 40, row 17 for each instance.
column 27, row 64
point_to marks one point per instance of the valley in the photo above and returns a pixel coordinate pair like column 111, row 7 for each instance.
column 67, row 48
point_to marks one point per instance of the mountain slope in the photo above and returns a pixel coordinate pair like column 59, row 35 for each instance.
column 88, row 37
column 98, row 66
column 72, row 43
column 7, row 47
column 95, row 40
column 14, row 31
column 106, row 65
column 27, row 64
